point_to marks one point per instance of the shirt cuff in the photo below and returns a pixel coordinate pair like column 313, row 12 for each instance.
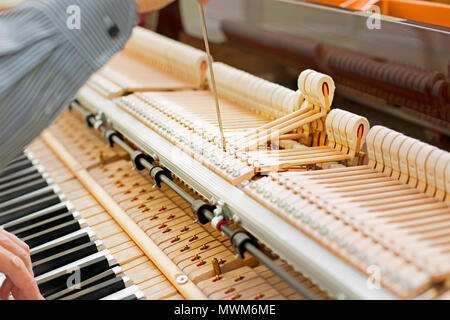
column 96, row 29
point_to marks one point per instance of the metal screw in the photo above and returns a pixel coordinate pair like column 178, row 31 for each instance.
column 182, row 279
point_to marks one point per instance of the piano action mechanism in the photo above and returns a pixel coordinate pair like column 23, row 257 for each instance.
column 316, row 203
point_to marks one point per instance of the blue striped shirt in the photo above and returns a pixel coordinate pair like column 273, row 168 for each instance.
column 45, row 59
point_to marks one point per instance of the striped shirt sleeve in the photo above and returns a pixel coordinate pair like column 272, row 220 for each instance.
column 48, row 50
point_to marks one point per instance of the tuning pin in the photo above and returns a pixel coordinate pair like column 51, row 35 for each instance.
column 196, row 257
column 201, row 263
column 238, row 278
column 236, row 296
column 229, row 290
column 163, row 225
column 171, row 216
column 259, row 296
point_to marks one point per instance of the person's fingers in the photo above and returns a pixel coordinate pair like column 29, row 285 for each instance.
column 15, row 269
column 203, row 1
column 19, row 295
column 6, row 289
column 13, row 244
column 19, row 242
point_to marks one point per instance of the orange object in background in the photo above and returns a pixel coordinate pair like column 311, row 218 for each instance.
column 424, row 11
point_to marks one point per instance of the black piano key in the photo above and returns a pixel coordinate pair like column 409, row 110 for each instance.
column 26, row 198
column 65, row 257
column 18, row 182
column 61, row 246
column 100, row 290
column 44, row 225
column 87, row 270
column 56, row 232
column 28, row 208
column 15, row 167
column 18, row 175
column 97, row 279
column 131, row 297
column 21, row 190
column 36, row 217
column 19, row 158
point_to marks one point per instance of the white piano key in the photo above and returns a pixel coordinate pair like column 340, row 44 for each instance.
column 122, row 294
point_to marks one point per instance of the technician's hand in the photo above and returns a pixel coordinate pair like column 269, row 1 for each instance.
column 15, row 263
column 151, row 5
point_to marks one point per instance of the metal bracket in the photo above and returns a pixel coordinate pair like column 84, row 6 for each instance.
column 223, row 210
column 239, row 239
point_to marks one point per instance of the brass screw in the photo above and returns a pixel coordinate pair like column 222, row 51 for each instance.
column 216, row 267
column 236, row 296
column 102, row 158
column 238, row 278
column 229, row 290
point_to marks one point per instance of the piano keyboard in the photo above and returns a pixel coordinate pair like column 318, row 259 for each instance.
column 167, row 221
column 62, row 245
